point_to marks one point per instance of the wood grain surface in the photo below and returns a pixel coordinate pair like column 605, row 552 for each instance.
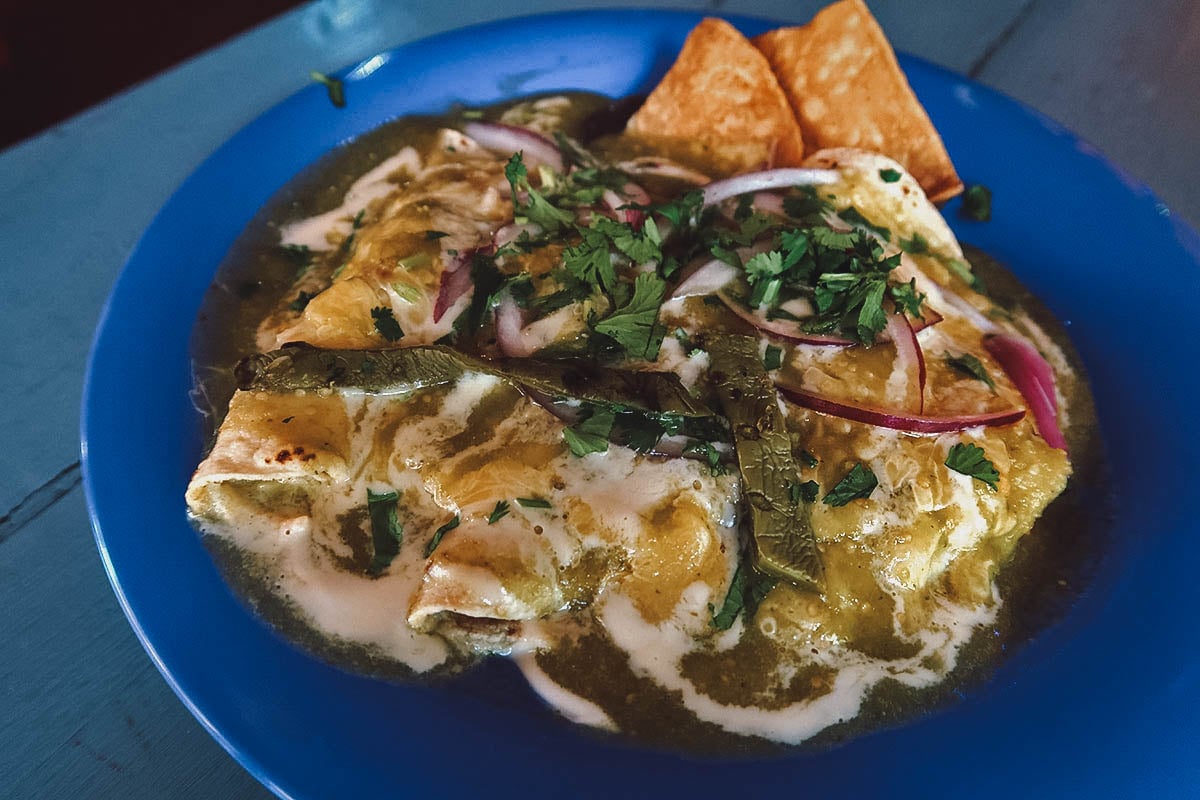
column 83, row 712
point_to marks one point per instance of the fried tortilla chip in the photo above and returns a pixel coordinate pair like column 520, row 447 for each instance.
column 847, row 89
column 722, row 94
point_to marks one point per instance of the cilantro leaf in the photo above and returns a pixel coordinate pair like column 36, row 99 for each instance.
column 889, row 175
column 969, row 459
column 386, row 324
column 917, row 244
column 386, row 531
column 536, row 208
column 858, row 483
column 533, row 502
column 970, row 365
column 805, row 490
column 333, row 87
column 773, row 358
column 976, row 203
column 301, row 301
column 590, row 435
column 499, row 512
column 634, row 325
column 964, row 273
column 439, row 533
column 746, row 592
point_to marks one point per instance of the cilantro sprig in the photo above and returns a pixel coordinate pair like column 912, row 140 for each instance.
column 858, row 484
column 969, row 459
column 386, row 531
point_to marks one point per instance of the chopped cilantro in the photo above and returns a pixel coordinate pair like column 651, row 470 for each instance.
column 970, row 365
column 858, row 483
column 964, row 273
column 533, row 502
column 499, row 512
column 536, row 208
column 439, row 533
column 333, row 87
column 386, row 324
column 590, row 435
column 386, row 531
column 773, row 358
column 976, row 203
column 918, row 244
column 805, row 490
column 710, row 454
column 889, row 175
column 301, row 301
column 300, row 254
column 746, row 592
column 634, row 325
column 969, row 459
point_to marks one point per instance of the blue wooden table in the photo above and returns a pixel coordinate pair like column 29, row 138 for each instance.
column 83, row 712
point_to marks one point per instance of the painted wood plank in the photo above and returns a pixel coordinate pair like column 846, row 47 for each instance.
column 1125, row 76
column 83, row 711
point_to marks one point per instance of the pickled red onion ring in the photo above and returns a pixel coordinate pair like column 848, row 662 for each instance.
column 1034, row 378
column 910, row 423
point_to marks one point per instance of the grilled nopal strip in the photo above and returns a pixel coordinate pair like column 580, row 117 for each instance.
column 782, row 537
column 300, row 366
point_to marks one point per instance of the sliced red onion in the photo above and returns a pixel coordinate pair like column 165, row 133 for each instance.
column 1034, row 378
column 908, row 355
column 648, row 165
column 911, row 423
column 455, row 282
column 512, row 231
column 535, row 148
column 709, row 278
column 509, row 322
column 770, row 202
column 784, row 178
column 632, row 194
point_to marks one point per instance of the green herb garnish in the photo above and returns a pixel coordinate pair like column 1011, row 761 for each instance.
column 889, row 175
column 976, row 203
column 970, row 365
column 499, row 512
column 858, row 483
column 333, row 86
column 590, row 435
column 386, row 531
column 301, row 301
column 746, row 592
column 773, row 358
column 386, row 324
column 439, row 533
column 806, row 491
column 969, row 459
column 533, row 502
column 634, row 325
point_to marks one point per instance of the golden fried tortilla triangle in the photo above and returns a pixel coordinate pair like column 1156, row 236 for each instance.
column 721, row 92
column 842, row 78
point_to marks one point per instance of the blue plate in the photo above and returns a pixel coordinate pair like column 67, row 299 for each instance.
column 1104, row 704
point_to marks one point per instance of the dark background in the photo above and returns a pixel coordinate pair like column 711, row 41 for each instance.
column 59, row 58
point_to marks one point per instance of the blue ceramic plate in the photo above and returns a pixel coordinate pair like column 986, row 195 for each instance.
column 1103, row 704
